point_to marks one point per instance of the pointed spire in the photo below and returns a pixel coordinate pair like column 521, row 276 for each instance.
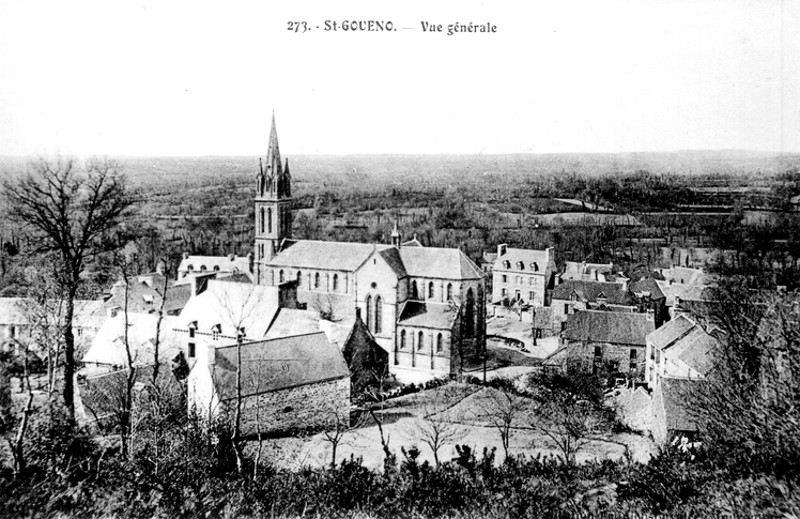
column 273, row 151
column 396, row 236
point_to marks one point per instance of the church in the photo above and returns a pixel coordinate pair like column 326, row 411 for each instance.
column 424, row 305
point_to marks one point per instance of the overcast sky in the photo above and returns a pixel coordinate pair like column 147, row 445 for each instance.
column 195, row 78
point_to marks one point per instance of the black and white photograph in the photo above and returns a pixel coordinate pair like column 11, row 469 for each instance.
column 455, row 259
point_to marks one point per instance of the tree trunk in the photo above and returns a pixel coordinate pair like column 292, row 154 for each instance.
column 69, row 357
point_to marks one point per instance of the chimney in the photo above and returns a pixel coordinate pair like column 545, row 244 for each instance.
column 358, row 313
column 501, row 249
column 185, row 255
column 232, row 257
column 396, row 236
column 651, row 314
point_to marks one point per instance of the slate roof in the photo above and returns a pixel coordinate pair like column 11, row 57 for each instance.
column 436, row 262
column 611, row 327
column 527, row 256
column 325, row 255
column 88, row 313
column 695, row 349
column 427, row 315
column 590, row 290
column 575, row 267
column 647, row 284
column 229, row 304
column 392, row 257
column 670, row 332
column 276, row 364
column 108, row 345
column 675, row 393
column 177, row 297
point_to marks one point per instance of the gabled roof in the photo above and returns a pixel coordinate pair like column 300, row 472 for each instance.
column 231, row 304
column 325, row 255
column 695, row 350
column 276, row 364
column 612, row 327
column 414, row 242
column 108, row 345
column 590, row 290
column 646, row 285
column 670, row 332
column 528, row 257
column 436, row 262
column 439, row 316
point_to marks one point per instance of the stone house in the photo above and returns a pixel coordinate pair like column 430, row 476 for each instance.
column 574, row 296
column 583, row 271
column 609, row 341
column 288, row 384
column 678, row 355
column 522, row 275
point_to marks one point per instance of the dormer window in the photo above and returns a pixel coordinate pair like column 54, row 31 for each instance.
column 216, row 330
column 520, row 265
column 573, row 297
column 506, row 264
column 242, row 333
column 192, row 329
column 148, row 298
column 190, row 267
column 202, row 268
column 535, row 266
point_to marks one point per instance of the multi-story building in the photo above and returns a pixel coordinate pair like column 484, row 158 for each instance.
column 522, row 275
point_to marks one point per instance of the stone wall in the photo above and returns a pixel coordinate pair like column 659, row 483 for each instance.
column 302, row 407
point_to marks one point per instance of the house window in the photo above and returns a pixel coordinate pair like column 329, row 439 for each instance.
column 215, row 331
column 79, row 332
column 439, row 343
column 520, row 265
column 449, row 291
column 378, row 314
column 503, row 292
column 633, row 354
column 316, row 280
column 12, row 331
column 517, row 295
column 420, row 341
column 507, row 264
column 566, row 308
column 191, row 333
column 598, row 353
column 402, row 339
column 535, row 266
column 430, row 290
column 299, row 276
column 505, row 278
column 192, row 352
column 335, row 282
column 530, row 296
column 414, row 293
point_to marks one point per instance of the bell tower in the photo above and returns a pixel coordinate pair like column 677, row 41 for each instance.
column 273, row 206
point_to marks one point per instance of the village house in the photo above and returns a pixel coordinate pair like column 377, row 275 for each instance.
column 522, row 276
column 678, row 354
column 288, row 384
column 231, row 264
column 606, row 342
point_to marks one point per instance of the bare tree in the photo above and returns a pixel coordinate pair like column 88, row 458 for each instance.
column 239, row 303
column 504, row 408
column 336, row 426
column 73, row 213
column 435, row 426
column 18, row 445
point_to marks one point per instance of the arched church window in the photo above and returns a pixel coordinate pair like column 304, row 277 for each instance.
column 269, row 219
column 335, row 282
column 280, row 276
column 378, row 314
column 439, row 343
column 430, row 290
column 420, row 340
column 316, row 280
column 449, row 291
column 299, row 276
column 414, row 293
column 402, row 339
column 369, row 313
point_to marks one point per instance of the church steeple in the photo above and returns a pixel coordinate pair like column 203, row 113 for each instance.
column 273, row 205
